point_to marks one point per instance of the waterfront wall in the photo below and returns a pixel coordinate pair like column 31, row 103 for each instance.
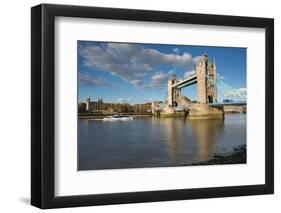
column 234, row 109
column 205, row 112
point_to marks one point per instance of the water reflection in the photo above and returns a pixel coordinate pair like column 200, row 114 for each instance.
column 180, row 134
column 156, row 142
column 174, row 137
column 207, row 133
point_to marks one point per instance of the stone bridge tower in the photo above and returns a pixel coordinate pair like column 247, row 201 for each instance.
column 206, row 92
column 174, row 94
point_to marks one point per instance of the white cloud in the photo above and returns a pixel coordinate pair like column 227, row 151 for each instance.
column 131, row 62
column 197, row 58
column 124, row 100
column 189, row 73
column 171, row 72
column 87, row 80
column 220, row 77
column 159, row 80
column 243, row 89
column 243, row 92
column 176, row 50
column 136, row 82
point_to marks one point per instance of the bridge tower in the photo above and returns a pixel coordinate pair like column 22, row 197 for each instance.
column 206, row 92
column 211, row 88
column 174, row 94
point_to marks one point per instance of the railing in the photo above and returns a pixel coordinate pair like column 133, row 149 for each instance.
column 226, row 92
column 184, row 79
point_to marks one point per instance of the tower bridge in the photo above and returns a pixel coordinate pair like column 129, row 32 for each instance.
column 212, row 93
column 206, row 91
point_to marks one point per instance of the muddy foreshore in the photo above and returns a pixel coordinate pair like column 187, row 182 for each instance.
column 237, row 156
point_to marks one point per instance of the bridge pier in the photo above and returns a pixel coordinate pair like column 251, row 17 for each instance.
column 204, row 111
column 206, row 92
column 171, row 112
column 234, row 109
column 231, row 107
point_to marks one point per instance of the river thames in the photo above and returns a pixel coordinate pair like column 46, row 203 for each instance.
column 156, row 142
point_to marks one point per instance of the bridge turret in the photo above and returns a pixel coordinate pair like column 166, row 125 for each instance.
column 211, row 88
column 201, row 69
column 170, row 92
column 207, row 93
column 174, row 93
column 214, row 66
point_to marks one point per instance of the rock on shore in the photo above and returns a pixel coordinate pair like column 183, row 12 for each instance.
column 238, row 156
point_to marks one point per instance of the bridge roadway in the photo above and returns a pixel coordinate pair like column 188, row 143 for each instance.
column 189, row 106
column 192, row 79
column 186, row 82
column 235, row 103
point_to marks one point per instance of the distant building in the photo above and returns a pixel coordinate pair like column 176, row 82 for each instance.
column 81, row 107
column 141, row 108
column 94, row 105
column 100, row 107
column 88, row 104
column 156, row 106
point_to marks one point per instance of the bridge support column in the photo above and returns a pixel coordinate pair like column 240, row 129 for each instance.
column 174, row 94
column 170, row 93
column 201, row 69
column 207, row 92
column 204, row 111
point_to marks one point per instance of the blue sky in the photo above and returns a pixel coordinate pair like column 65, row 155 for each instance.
column 138, row 73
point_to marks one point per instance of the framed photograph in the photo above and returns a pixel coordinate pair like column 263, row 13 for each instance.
column 139, row 106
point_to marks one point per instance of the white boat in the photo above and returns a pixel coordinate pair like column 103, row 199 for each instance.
column 118, row 118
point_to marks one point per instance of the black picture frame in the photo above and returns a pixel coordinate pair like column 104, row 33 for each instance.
column 43, row 110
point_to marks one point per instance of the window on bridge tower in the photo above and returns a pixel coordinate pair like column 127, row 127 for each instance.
column 210, row 99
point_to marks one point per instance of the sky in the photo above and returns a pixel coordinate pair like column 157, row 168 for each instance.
column 138, row 73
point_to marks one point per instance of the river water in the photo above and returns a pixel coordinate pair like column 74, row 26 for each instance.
column 156, row 142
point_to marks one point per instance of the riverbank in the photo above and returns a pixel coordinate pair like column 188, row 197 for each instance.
column 103, row 116
column 237, row 156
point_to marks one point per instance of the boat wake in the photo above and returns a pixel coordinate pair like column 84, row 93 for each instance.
column 119, row 118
